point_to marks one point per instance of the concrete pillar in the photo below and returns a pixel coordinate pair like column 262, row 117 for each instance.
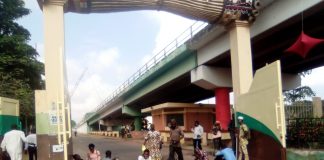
column 317, row 107
column 137, row 123
column 53, row 99
column 241, row 58
column 223, row 110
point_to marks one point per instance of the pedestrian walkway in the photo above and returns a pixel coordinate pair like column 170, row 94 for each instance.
column 125, row 149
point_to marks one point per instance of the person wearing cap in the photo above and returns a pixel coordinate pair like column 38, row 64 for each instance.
column 217, row 135
column 243, row 139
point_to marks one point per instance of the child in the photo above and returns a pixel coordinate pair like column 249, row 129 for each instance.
column 108, row 155
column 145, row 156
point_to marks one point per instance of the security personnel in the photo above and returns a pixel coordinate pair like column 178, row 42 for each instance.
column 244, row 135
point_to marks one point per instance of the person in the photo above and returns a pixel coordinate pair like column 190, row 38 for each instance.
column 243, row 139
column 232, row 132
column 93, row 154
column 12, row 143
column 226, row 152
column 122, row 132
column 145, row 155
column 176, row 134
column 152, row 142
column 198, row 131
column 144, row 124
column 31, row 144
column 76, row 157
column 108, row 155
column 217, row 135
column 75, row 133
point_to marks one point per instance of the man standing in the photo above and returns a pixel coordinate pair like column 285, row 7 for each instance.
column 176, row 134
column 31, row 145
column 244, row 135
column 198, row 131
column 13, row 143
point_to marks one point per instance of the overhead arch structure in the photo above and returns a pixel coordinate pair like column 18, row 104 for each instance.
column 204, row 10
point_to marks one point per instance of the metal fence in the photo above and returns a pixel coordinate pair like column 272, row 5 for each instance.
column 302, row 109
column 305, row 133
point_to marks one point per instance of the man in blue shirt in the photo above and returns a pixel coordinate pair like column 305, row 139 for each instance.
column 226, row 152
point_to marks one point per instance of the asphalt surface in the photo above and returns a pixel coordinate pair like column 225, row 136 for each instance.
column 124, row 149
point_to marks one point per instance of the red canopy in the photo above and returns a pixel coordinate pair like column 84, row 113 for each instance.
column 304, row 44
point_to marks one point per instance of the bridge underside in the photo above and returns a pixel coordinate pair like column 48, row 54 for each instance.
column 270, row 45
column 266, row 48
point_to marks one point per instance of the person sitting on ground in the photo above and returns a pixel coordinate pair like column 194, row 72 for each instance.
column 76, row 157
column 108, row 155
column 145, row 155
column 93, row 154
column 226, row 152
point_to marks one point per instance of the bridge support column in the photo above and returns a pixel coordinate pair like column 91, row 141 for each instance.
column 241, row 58
column 317, row 107
column 223, row 110
column 135, row 113
column 53, row 133
column 137, row 123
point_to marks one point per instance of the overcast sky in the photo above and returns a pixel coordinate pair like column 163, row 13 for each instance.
column 113, row 46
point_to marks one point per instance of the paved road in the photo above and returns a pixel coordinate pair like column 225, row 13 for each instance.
column 124, row 149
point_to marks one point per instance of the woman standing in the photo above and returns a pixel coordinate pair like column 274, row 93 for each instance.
column 152, row 143
column 93, row 154
column 217, row 135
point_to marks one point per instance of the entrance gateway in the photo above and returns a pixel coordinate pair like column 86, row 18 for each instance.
column 234, row 15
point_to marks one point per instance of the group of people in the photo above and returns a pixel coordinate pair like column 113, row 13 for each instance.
column 13, row 142
column 224, row 149
column 94, row 154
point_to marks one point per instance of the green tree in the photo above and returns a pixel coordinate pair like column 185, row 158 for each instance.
column 73, row 123
column 298, row 94
column 20, row 71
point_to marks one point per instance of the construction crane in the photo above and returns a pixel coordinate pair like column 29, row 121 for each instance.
column 77, row 83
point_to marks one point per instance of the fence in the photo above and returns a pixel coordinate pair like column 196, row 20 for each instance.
column 303, row 109
column 305, row 133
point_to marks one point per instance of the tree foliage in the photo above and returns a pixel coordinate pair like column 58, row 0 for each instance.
column 73, row 123
column 298, row 94
column 20, row 71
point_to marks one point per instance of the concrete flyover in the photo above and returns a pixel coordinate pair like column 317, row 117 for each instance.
column 208, row 51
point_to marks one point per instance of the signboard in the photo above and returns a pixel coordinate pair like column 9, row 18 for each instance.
column 53, row 118
column 57, row 148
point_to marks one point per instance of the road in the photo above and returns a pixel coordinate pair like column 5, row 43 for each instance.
column 124, row 149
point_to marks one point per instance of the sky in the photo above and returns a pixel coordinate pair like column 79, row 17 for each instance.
column 108, row 48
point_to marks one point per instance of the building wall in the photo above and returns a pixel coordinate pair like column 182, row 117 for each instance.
column 205, row 119
column 9, row 114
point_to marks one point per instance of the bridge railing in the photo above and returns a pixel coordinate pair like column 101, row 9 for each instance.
column 165, row 52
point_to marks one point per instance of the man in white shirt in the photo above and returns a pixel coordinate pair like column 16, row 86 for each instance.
column 198, row 131
column 31, row 145
column 13, row 142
